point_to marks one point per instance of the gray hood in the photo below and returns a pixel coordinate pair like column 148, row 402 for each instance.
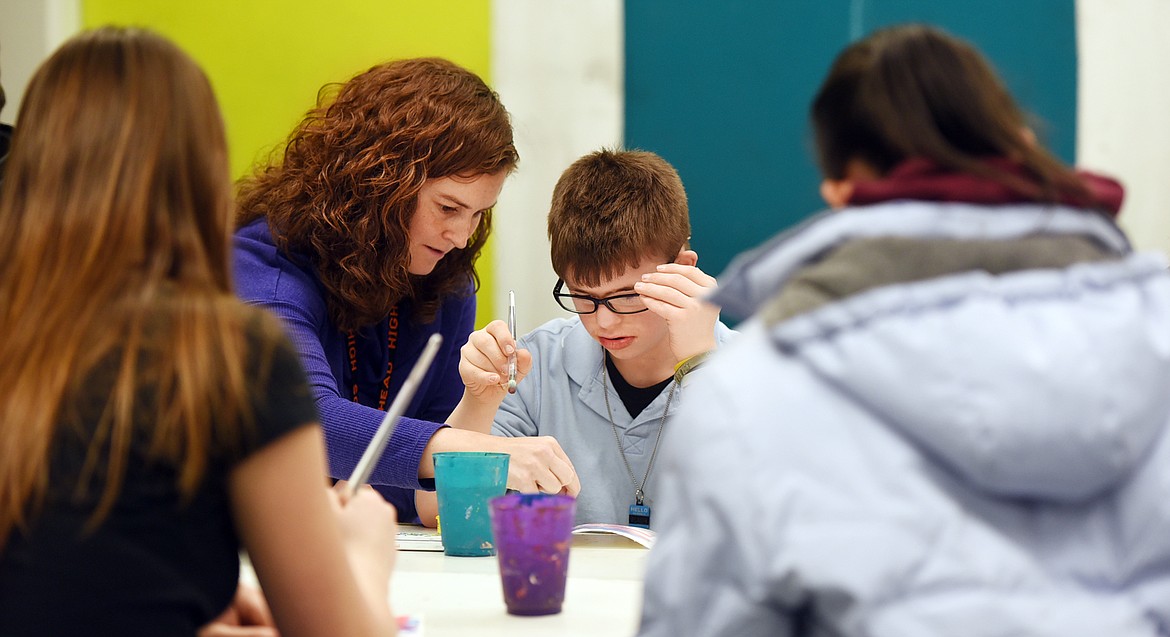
column 1045, row 389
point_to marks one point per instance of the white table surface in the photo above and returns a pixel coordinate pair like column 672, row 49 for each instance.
column 461, row 596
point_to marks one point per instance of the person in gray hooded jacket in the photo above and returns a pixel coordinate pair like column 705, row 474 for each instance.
column 947, row 413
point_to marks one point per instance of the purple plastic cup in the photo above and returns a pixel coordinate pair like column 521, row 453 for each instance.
column 533, row 532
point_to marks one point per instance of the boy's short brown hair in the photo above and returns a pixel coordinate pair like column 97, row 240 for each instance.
column 613, row 208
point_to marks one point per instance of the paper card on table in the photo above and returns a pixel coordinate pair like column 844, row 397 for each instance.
column 419, row 541
column 410, row 625
column 645, row 537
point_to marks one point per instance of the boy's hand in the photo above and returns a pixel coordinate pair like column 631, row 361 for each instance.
column 675, row 293
column 483, row 362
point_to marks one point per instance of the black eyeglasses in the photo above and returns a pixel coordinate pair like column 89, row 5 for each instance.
column 584, row 304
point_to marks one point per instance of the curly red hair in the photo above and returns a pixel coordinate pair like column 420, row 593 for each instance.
column 345, row 190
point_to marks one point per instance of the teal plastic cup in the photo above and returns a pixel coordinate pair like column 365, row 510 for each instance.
column 465, row 481
column 533, row 535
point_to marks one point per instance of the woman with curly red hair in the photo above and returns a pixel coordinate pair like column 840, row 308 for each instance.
column 363, row 238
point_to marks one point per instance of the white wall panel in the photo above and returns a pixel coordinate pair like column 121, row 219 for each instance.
column 558, row 69
column 1123, row 126
column 29, row 31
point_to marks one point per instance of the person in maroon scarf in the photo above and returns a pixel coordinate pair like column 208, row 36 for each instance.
column 947, row 412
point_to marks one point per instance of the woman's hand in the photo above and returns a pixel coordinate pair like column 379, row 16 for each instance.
column 538, row 464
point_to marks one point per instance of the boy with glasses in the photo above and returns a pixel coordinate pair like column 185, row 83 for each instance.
column 604, row 382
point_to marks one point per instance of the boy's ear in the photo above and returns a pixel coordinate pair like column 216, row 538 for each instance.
column 687, row 257
column 1029, row 135
column 836, row 192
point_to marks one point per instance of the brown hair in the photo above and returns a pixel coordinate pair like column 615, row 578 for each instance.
column 913, row 91
column 115, row 230
column 347, row 185
column 611, row 209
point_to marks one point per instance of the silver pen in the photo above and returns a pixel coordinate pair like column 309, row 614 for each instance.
column 512, row 329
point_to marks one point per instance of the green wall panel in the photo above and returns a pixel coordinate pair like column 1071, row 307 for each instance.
column 267, row 59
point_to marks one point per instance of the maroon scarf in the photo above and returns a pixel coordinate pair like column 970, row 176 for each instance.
column 922, row 179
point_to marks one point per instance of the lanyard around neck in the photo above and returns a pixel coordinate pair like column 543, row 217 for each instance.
column 639, row 493
column 391, row 346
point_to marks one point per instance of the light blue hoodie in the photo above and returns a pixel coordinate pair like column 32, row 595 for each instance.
column 564, row 397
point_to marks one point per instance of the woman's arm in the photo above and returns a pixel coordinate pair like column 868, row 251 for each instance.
column 350, row 426
column 483, row 368
column 325, row 569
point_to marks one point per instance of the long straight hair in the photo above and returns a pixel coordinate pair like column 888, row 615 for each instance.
column 914, row 91
column 115, row 222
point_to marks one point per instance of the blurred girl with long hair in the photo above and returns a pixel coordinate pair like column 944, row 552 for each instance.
column 151, row 423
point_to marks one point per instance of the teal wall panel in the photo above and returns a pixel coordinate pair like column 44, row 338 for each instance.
column 721, row 90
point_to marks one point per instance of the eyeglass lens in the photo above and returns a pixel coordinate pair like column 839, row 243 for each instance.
column 620, row 304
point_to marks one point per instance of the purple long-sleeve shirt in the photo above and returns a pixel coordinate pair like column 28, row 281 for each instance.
column 290, row 289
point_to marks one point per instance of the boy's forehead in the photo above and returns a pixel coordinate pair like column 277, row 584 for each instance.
column 604, row 286
column 618, row 277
